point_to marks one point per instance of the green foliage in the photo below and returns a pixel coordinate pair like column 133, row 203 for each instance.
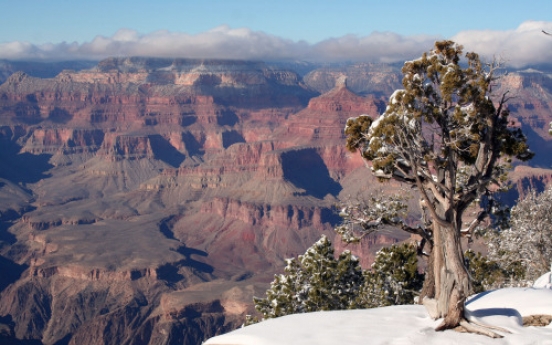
column 442, row 132
column 318, row 281
column 483, row 272
column 315, row 281
column 487, row 274
column 394, row 278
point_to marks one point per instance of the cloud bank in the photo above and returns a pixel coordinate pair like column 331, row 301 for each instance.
column 526, row 45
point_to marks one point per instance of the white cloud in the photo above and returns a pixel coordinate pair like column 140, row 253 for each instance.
column 377, row 47
column 522, row 46
column 526, row 45
column 125, row 35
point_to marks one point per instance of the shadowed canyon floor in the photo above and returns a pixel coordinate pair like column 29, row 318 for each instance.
column 145, row 201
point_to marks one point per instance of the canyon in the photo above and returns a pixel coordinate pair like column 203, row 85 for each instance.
column 146, row 201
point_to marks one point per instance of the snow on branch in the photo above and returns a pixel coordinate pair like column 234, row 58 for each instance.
column 364, row 217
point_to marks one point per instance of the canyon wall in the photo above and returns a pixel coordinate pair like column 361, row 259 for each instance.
column 148, row 200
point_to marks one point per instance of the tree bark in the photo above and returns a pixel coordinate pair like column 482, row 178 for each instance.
column 428, row 289
column 450, row 277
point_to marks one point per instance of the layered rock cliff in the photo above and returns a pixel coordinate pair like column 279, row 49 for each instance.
column 530, row 102
column 135, row 181
column 147, row 200
column 363, row 78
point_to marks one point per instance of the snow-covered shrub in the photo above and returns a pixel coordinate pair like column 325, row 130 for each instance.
column 318, row 281
column 394, row 278
column 524, row 250
column 314, row 281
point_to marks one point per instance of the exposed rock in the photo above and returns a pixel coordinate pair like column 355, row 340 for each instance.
column 525, row 179
column 530, row 103
column 41, row 69
column 66, row 140
column 537, row 320
column 326, row 115
column 147, row 200
column 362, row 78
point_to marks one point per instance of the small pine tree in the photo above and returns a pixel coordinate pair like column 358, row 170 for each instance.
column 318, row 281
column 394, row 278
column 484, row 272
column 350, row 280
column 312, row 282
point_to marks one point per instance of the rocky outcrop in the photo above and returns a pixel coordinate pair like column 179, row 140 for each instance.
column 146, row 92
column 530, row 98
column 48, row 223
column 116, row 314
column 363, row 78
column 41, row 69
column 530, row 101
column 524, row 180
column 291, row 217
column 122, row 148
column 67, row 140
column 326, row 115
column 92, row 274
column 147, row 200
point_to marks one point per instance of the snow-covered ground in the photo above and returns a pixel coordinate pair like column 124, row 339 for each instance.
column 404, row 325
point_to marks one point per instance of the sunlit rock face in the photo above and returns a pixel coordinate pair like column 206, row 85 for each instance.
column 147, row 200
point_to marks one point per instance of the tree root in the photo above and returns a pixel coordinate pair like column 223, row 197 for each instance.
column 478, row 328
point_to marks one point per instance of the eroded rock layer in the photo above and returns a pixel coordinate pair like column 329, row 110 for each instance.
column 147, row 200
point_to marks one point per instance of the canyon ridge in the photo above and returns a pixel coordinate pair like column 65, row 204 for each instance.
column 146, row 201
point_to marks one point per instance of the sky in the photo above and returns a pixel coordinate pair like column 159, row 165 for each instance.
column 311, row 30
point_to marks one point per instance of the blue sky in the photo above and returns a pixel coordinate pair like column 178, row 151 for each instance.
column 65, row 27
column 54, row 21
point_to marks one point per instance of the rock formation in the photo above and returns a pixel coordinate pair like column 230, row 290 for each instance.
column 147, row 200
column 363, row 78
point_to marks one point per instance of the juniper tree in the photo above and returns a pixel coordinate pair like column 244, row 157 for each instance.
column 445, row 136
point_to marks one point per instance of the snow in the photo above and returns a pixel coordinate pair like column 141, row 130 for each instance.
column 544, row 281
column 394, row 98
column 403, row 325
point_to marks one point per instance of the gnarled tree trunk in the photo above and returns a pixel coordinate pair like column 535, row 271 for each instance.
column 451, row 278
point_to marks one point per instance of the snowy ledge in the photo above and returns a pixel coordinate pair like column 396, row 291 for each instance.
column 403, row 325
